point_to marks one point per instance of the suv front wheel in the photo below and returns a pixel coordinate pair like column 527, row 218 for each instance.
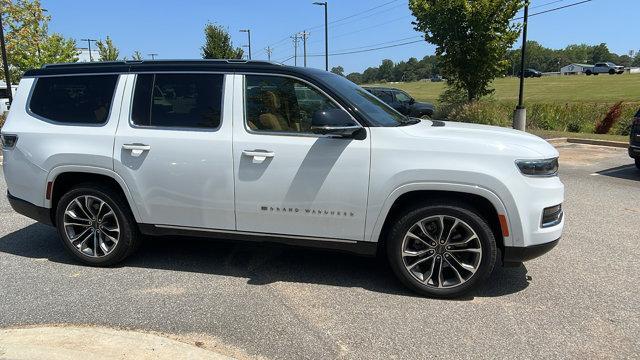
column 96, row 225
column 442, row 250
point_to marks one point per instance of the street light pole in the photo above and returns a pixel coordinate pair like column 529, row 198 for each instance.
column 248, row 31
column 89, row 42
column 304, row 35
column 5, row 63
column 326, row 35
column 520, row 114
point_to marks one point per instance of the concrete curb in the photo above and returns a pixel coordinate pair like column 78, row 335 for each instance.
column 97, row 343
column 609, row 143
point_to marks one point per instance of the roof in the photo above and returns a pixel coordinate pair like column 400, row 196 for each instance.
column 163, row 65
column 380, row 88
column 575, row 64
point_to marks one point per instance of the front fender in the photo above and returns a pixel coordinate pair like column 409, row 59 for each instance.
column 504, row 205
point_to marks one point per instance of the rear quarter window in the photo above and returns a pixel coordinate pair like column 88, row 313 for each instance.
column 80, row 99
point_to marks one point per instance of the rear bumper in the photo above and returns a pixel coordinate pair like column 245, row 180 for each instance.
column 516, row 255
column 634, row 151
column 35, row 212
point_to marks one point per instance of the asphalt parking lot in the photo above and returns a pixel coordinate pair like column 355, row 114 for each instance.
column 579, row 301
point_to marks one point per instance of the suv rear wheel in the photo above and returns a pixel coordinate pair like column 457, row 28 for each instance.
column 96, row 225
column 442, row 250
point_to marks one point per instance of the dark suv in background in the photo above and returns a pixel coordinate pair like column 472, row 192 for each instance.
column 634, row 140
column 403, row 102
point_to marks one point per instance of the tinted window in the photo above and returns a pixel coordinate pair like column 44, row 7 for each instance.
column 375, row 110
column 384, row 96
column 178, row 100
column 280, row 104
column 402, row 97
column 82, row 99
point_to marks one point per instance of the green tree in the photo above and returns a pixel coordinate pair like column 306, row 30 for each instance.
column 471, row 38
column 28, row 42
column 218, row 44
column 107, row 50
column 338, row 70
column 137, row 56
column 385, row 71
column 355, row 77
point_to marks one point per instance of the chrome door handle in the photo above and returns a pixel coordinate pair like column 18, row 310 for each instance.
column 259, row 153
column 259, row 156
column 136, row 149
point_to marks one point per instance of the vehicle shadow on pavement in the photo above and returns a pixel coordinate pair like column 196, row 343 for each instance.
column 627, row 172
column 260, row 263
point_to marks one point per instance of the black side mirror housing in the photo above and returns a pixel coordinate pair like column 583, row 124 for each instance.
column 336, row 122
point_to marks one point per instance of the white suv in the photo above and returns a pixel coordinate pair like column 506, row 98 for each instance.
column 107, row 152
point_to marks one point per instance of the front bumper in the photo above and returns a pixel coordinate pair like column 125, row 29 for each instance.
column 517, row 255
column 634, row 151
column 35, row 212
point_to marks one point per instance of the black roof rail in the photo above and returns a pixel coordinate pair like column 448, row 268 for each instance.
column 159, row 62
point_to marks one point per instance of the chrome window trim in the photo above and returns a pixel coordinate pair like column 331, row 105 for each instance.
column 175, row 128
column 55, row 122
column 287, row 133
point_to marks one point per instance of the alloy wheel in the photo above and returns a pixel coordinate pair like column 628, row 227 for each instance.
column 441, row 251
column 91, row 226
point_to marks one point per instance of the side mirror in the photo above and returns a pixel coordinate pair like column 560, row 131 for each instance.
column 336, row 122
column 412, row 101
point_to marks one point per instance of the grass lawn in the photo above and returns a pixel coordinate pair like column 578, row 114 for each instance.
column 547, row 89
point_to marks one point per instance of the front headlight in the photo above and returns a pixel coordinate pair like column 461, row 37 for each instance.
column 542, row 167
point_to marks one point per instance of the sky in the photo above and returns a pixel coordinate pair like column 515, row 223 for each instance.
column 174, row 29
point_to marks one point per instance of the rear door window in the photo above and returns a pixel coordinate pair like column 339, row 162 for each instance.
column 79, row 99
column 178, row 100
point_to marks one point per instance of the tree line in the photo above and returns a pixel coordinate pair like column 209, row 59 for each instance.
column 537, row 56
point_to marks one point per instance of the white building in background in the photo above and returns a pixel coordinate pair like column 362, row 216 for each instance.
column 574, row 69
column 83, row 55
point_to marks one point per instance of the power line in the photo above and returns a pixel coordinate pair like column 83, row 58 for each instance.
column 283, row 40
column 358, row 51
column 546, row 4
column 554, row 9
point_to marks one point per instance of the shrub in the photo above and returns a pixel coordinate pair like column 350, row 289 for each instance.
column 573, row 117
column 612, row 116
column 574, row 126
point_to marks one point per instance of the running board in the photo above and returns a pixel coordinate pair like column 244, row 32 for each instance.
column 356, row 247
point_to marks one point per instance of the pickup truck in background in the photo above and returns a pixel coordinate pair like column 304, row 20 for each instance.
column 605, row 68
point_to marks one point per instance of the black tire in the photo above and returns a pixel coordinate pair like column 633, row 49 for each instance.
column 130, row 237
column 462, row 211
column 638, row 163
column 588, row 72
column 612, row 72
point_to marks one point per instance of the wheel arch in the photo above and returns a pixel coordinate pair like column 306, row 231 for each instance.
column 482, row 199
column 63, row 178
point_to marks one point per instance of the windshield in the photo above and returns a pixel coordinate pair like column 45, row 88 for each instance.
column 373, row 109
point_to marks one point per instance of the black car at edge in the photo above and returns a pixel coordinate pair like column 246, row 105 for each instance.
column 634, row 139
column 402, row 102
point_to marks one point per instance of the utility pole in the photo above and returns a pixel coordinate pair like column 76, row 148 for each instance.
column 520, row 114
column 5, row 63
column 153, row 56
column 304, row 35
column 295, row 49
column 326, row 35
column 89, row 42
column 248, row 31
column 269, row 50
